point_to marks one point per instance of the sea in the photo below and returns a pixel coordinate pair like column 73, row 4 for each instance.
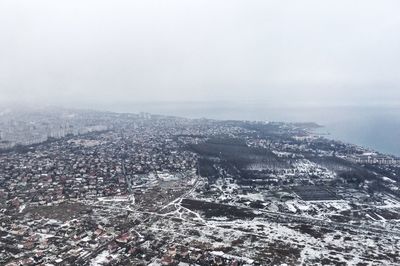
column 373, row 127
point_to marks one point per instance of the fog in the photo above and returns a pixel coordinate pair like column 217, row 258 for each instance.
column 281, row 53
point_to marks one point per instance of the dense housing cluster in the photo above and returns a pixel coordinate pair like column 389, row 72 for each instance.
column 156, row 190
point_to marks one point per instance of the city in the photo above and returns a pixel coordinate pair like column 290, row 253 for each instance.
column 103, row 188
column 199, row 133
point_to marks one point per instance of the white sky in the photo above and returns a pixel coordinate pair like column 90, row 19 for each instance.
column 280, row 52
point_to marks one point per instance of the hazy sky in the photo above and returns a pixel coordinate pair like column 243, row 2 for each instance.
column 279, row 52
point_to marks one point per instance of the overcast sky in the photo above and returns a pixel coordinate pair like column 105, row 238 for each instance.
column 279, row 52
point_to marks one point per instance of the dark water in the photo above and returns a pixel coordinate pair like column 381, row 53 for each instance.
column 377, row 128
